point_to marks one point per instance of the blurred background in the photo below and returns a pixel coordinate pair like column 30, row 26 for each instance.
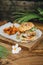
column 9, row 7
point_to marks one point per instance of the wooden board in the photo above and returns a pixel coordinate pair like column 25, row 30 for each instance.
column 29, row 45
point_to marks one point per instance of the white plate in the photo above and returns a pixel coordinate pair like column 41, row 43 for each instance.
column 13, row 37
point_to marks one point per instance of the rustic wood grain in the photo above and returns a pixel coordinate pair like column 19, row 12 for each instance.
column 3, row 22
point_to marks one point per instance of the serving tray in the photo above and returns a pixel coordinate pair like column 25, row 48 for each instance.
column 30, row 45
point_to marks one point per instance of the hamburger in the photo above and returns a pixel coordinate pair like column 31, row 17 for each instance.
column 25, row 26
column 27, row 31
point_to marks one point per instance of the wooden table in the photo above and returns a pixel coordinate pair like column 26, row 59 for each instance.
column 35, row 57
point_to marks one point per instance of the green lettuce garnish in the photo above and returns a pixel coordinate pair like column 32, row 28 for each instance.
column 33, row 29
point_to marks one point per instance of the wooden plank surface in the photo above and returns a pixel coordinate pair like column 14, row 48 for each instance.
column 2, row 22
column 24, row 57
column 35, row 57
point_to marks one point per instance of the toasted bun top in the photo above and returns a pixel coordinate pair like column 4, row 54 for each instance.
column 25, row 26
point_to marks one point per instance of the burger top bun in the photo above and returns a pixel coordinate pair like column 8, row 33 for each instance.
column 25, row 26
